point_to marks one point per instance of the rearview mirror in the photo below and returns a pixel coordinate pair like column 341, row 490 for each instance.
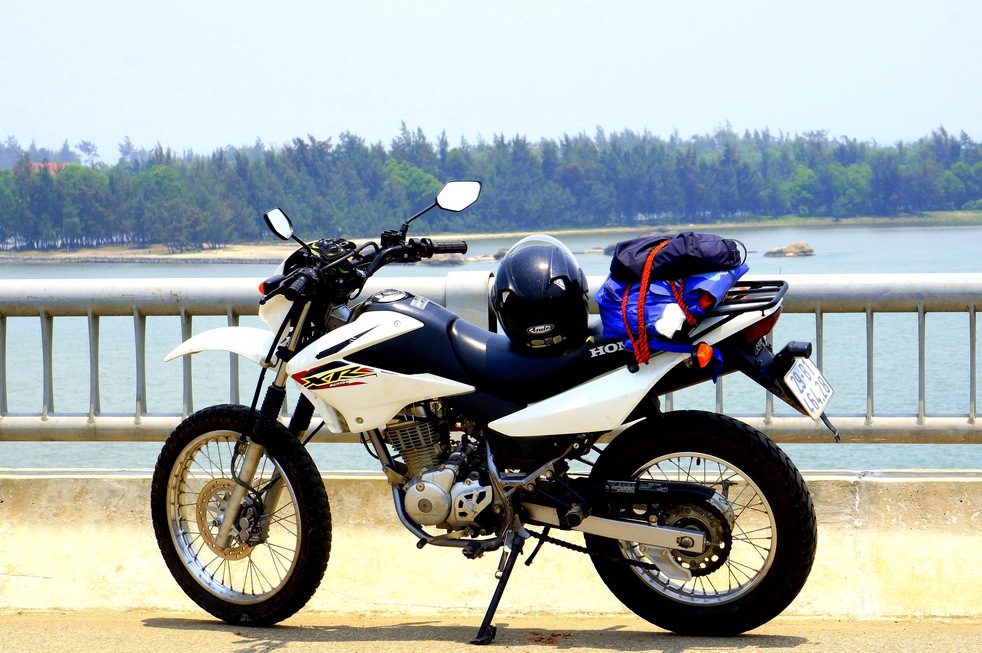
column 279, row 223
column 458, row 195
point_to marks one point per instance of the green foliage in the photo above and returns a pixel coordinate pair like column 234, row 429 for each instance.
column 357, row 189
column 8, row 205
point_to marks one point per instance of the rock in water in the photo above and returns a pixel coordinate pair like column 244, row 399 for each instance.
column 799, row 248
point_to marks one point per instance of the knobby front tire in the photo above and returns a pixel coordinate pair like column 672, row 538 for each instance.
column 744, row 582
column 250, row 584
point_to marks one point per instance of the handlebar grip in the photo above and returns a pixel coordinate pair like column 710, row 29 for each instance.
column 451, row 247
column 297, row 287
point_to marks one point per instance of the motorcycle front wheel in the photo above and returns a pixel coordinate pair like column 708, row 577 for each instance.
column 760, row 527
column 277, row 555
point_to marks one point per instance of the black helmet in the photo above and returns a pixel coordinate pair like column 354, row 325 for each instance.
column 540, row 294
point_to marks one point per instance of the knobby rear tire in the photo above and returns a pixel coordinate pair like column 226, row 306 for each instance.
column 774, row 532
column 258, row 584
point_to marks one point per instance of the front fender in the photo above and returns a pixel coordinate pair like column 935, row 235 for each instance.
column 250, row 342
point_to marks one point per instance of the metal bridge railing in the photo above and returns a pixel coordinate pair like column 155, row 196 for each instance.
column 466, row 293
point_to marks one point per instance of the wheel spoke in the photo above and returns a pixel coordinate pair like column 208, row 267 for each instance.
column 751, row 549
column 241, row 573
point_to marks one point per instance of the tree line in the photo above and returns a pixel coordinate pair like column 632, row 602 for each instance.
column 65, row 198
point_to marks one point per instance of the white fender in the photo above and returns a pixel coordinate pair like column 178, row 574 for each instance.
column 366, row 397
column 603, row 403
column 600, row 404
column 251, row 342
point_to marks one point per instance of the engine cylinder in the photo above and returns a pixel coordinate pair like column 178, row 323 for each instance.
column 417, row 440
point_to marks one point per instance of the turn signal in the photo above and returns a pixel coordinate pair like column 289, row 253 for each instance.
column 270, row 284
column 704, row 354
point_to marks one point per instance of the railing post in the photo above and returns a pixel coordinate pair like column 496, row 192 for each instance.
column 140, row 339
column 820, row 338
column 921, row 363
column 187, row 403
column 3, row 364
column 95, row 402
column 869, row 364
column 972, row 371
column 233, row 361
column 47, row 364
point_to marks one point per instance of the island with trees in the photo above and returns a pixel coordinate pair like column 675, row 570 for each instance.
column 69, row 198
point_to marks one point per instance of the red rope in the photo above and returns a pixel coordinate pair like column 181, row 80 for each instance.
column 642, row 352
column 678, row 291
column 640, row 344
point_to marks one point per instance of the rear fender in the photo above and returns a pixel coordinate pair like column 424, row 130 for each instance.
column 249, row 342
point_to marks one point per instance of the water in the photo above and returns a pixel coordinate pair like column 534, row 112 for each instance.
column 841, row 249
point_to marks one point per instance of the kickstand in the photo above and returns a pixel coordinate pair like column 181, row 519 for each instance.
column 487, row 632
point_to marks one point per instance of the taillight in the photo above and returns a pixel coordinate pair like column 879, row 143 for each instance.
column 758, row 330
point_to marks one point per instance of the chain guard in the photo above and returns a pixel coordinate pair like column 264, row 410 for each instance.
column 543, row 538
column 703, row 517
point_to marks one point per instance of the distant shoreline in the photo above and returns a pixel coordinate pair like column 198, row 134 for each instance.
column 259, row 253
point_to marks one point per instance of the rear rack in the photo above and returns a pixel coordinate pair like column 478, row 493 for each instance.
column 743, row 297
column 747, row 296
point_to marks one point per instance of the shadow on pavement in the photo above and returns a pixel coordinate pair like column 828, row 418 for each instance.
column 617, row 638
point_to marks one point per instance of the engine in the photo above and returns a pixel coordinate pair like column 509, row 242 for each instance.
column 415, row 434
column 442, row 490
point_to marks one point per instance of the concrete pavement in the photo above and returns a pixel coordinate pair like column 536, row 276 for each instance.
column 163, row 632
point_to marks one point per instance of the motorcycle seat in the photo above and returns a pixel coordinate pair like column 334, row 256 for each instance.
column 495, row 366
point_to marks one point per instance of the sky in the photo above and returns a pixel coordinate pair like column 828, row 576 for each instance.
column 199, row 76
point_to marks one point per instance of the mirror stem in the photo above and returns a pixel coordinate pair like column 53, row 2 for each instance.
column 302, row 244
column 405, row 225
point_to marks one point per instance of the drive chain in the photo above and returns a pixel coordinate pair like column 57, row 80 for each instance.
column 582, row 549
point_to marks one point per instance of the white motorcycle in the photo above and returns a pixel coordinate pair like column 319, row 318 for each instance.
column 695, row 521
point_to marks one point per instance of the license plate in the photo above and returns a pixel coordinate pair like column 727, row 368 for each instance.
column 811, row 388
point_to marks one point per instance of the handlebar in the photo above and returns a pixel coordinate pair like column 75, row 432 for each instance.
column 297, row 287
column 301, row 281
column 414, row 250
column 426, row 248
column 450, row 247
column 291, row 287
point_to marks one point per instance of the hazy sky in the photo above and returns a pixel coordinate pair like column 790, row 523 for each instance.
column 205, row 74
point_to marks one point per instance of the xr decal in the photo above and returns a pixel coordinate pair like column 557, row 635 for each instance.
column 328, row 376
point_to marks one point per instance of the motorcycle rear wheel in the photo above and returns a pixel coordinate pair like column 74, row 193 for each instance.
column 744, row 582
column 249, row 583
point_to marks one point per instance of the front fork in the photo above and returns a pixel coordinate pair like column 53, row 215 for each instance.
column 253, row 454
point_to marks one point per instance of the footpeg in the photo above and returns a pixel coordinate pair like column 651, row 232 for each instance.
column 575, row 516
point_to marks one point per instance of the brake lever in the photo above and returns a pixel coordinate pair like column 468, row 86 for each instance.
column 384, row 257
column 289, row 281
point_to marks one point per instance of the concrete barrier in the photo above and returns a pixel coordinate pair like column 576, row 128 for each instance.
column 891, row 544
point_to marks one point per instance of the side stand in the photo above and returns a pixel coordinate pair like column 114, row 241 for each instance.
column 487, row 632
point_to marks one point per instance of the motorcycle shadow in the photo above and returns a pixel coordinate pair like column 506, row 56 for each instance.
column 330, row 632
